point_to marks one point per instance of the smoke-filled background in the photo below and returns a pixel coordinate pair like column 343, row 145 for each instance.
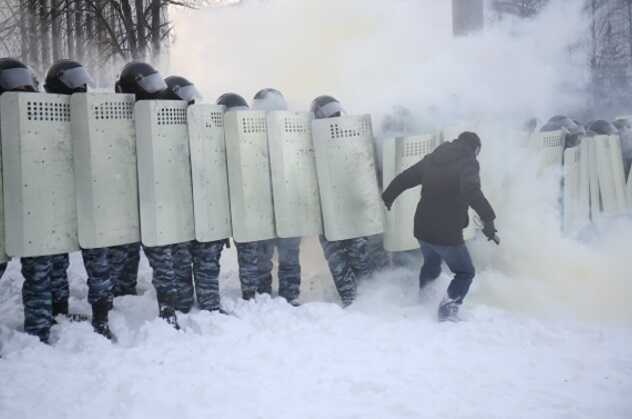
column 374, row 55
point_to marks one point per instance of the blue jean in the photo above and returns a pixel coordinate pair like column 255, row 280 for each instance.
column 458, row 260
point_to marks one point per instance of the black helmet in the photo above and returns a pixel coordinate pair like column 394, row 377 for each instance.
column 16, row 76
column 66, row 77
column 326, row 107
column 179, row 88
column 561, row 121
column 601, row 127
column 232, row 101
column 269, row 100
column 140, row 79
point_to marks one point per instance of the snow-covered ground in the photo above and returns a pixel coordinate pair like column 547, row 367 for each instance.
column 385, row 357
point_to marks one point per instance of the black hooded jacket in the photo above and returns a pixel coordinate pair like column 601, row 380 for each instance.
column 449, row 177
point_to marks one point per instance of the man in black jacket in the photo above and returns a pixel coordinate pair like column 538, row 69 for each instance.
column 450, row 182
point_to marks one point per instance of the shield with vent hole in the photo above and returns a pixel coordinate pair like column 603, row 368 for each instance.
column 104, row 155
column 249, row 176
column 550, row 148
column 39, row 188
column 607, row 176
column 347, row 178
column 399, row 155
column 294, row 181
column 164, row 172
column 211, row 206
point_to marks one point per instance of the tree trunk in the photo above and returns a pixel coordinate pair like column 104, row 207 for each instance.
column 79, row 31
column 33, row 44
column 156, row 8
column 140, row 30
column 130, row 30
column 70, row 37
column 24, row 44
column 44, row 33
column 56, row 23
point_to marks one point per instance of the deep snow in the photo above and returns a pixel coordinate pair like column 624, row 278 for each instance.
column 385, row 357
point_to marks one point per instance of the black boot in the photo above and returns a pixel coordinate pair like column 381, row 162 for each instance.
column 61, row 308
column 248, row 295
column 100, row 311
column 167, row 311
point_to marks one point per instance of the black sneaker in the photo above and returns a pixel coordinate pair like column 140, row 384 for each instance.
column 60, row 308
column 449, row 310
column 169, row 315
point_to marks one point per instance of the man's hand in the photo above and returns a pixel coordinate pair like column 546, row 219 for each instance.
column 489, row 230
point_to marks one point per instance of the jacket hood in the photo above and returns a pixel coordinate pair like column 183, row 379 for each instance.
column 451, row 152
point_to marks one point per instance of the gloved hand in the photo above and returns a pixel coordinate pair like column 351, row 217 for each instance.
column 489, row 230
column 388, row 203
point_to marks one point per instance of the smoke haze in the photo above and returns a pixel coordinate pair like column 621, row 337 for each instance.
column 374, row 55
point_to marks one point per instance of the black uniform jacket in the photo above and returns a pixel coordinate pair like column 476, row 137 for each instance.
column 449, row 177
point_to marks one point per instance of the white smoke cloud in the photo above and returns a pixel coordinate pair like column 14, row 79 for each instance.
column 374, row 55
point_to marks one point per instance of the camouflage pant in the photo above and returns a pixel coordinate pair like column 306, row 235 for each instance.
column 164, row 277
column 378, row 258
column 197, row 269
column 289, row 266
column 98, row 269
column 249, row 274
column 348, row 262
column 124, row 262
column 59, row 277
column 37, row 295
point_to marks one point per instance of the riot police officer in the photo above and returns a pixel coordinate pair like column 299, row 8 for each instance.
column 247, row 252
column 66, row 77
column 348, row 260
column 146, row 83
column 196, row 263
column 288, row 249
column 37, row 290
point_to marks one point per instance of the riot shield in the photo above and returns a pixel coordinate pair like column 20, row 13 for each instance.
column 39, row 189
column 104, row 155
column 347, row 179
column 294, row 181
column 164, row 172
column 550, row 148
column 211, row 205
column 610, row 174
column 575, row 196
column 400, row 154
column 249, row 176
column 3, row 254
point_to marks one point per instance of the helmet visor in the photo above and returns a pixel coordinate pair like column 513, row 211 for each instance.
column 187, row 93
column 152, row 83
column 76, row 77
column 330, row 110
column 17, row 78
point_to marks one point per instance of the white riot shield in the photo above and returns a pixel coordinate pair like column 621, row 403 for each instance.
column 3, row 254
column 610, row 174
column 629, row 189
column 575, row 199
column 211, row 204
column 349, row 193
column 399, row 155
column 164, row 172
column 39, row 188
column 294, row 180
column 550, row 148
column 251, row 205
column 104, row 155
